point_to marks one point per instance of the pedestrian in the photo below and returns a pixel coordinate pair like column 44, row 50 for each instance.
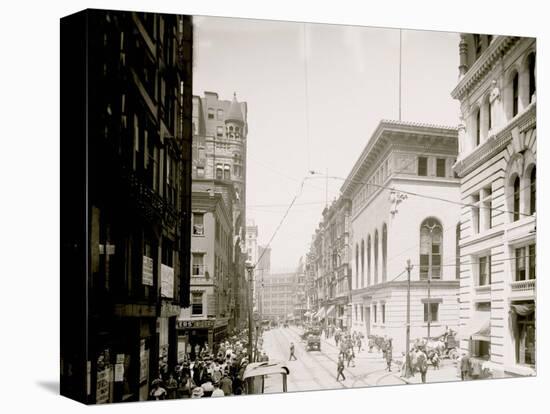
column 435, row 360
column 226, row 384
column 351, row 356
column 197, row 392
column 359, row 343
column 171, row 387
column 389, row 355
column 186, row 386
column 218, row 392
column 157, row 393
column 292, row 349
column 340, row 369
column 465, row 366
column 422, row 363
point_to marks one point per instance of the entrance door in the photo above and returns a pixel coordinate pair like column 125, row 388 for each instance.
column 367, row 320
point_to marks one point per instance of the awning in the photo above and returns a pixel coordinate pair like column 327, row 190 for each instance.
column 330, row 310
column 478, row 327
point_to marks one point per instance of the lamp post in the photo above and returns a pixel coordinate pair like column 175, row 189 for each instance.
column 250, row 271
column 408, row 372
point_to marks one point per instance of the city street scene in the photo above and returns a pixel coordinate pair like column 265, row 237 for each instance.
column 318, row 207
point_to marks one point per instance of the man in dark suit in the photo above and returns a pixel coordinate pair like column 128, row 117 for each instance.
column 465, row 366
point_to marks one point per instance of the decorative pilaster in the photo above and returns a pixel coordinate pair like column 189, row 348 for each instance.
column 463, row 53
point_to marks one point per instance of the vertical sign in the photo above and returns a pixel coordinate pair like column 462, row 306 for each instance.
column 102, row 387
column 167, row 281
column 143, row 362
column 147, row 273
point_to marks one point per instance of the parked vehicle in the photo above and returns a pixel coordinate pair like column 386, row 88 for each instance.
column 313, row 340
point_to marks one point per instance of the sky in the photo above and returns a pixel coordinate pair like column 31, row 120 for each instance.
column 315, row 94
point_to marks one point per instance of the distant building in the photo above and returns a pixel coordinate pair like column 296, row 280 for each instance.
column 416, row 158
column 262, row 270
column 278, row 296
column 251, row 246
column 497, row 165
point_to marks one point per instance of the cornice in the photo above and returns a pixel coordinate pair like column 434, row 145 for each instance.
column 483, row 65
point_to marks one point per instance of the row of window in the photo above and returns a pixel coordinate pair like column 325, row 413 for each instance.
column 485, row 114
column 524, row 265
column 440, row 167
column 384, row 248
column 431, row 312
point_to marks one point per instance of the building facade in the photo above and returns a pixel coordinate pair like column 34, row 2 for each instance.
column 220, row 132
column 278, row 296
column 497, row 167
column 206, row 321
column 138, row 182
column 389, row 227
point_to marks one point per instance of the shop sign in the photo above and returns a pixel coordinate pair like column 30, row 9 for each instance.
column 102, row 386
column 167, row 281
column 143, row 363
column 147, row 273
column 119, row 372
column 205, row 323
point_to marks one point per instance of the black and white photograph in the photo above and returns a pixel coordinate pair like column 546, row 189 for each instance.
column 289, row 213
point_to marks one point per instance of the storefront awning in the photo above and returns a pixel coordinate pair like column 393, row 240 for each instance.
column 330, row 310
column 478, row 327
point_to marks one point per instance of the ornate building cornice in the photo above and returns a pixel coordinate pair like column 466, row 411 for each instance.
column 499, row 46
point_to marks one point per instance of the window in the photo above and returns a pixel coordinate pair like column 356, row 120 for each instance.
column 489, row 115
column 384, row 251
column 477, row 45
column 368, row 260
column 376, row 256
column 374, row 312
column 422, row 166
column 198, row 224
column 200, row 171
column 356, row 265
column 515, row 94
column 516, row 199
column 362, row 314
column 484, row 270
column 440, row 167
column 431, row 240
column 219, row 131
column 532, row 80
column 486, row 207
column 198, row 264
column 210, row 113
column 533, row 191
column 220, row 114
column 478, row 128
column 431, row 312
column 475, row 213
column 362, row 263
column 196, row 303
column 219, row 172
column 526, row 263
column 383, row 313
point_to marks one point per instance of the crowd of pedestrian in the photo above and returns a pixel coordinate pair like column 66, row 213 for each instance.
column 205, row 373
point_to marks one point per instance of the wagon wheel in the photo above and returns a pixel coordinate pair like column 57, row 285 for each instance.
column 453, row 354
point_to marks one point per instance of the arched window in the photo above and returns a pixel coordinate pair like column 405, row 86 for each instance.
column 533, row 191
column 376, row 256
column 478, row 127
column 356, row 265
column 532, row 80
column 368, row 260
column 384, row 251
column 431, row 246
column 516, row 199
column 362, row 263
column 515, row 95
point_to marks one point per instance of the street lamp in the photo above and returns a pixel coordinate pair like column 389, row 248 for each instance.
column 250, row 270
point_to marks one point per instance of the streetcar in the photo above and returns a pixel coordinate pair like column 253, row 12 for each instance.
column 265, row 377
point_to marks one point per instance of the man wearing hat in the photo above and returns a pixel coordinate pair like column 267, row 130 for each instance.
column 198, row 392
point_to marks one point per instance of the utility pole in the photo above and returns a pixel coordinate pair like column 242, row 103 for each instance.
column 408, row 372
column 250, row 270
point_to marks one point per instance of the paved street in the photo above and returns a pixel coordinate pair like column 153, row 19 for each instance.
column 316, row 370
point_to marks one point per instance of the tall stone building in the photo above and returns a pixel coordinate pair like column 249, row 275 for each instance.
column 497, row 167
column 133, row 155
column 416, row 158
column 220, row 132
column 278, row 296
